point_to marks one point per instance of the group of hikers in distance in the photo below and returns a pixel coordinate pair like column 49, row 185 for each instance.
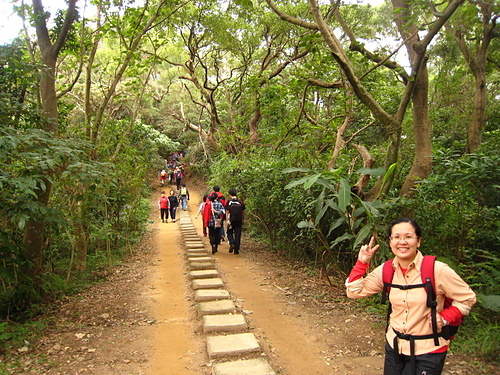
column 173, row 170
column 222, row 218
column 168, row 205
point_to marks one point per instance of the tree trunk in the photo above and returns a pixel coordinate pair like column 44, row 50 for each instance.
column 475, row 128
column 81, row 241
column 476, row 54
column 254, row 135
column 340, row 138
column 368, row 162
column 33, row 238
column 422, row 160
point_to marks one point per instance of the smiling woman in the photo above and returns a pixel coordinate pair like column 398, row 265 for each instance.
column 416, row 342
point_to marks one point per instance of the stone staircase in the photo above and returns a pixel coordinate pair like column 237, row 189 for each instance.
column 226, row 329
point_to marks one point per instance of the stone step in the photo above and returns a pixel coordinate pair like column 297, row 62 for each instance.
column 195, row 241
column 191, row 237
column 231, row 345
column 201, row 265
column 192, row 246
column 258, row 366
column 223, row 306
column 212, row 283
column 203, row 274
column 224, row 323
column 202, row 295
column 196, row 254
column 197, row 250
column 188, row 233
column 202, row 259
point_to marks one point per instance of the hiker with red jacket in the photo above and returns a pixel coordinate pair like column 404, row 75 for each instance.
column 163, row 205
column 414, row 337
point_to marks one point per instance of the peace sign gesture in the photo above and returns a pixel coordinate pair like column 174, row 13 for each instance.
column 366, row 252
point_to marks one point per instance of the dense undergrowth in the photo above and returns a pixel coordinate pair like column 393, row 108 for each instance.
column 308, row 215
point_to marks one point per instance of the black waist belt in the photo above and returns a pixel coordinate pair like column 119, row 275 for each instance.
column 411, row 339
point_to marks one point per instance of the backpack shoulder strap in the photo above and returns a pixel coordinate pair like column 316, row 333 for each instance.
column 427, row 269
column 387, row 275
column 427, row 274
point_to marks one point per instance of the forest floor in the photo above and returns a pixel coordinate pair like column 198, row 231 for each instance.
column 141, row 317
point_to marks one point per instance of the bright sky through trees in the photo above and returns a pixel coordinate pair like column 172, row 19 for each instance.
column 11, row 24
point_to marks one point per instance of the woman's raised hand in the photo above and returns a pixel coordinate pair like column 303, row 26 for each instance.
column 366, row 252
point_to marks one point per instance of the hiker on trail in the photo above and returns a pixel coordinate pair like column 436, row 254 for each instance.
column 163, row 206
column 201, row 209
column 235, row 216
column 163, row 176
column 184, row 196
column 171, row 177
column 222, row 199
column 215, row 222
column 173, row 203
column 179, row 175
column 415, row 337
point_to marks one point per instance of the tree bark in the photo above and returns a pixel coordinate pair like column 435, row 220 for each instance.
column 81, row 241
column 33, row 239
column 422, row 161
column 368, row 162
column 477, row 64
column 475, row 128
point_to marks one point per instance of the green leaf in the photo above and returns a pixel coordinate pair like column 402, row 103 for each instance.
column 292, row 170
column 321, row 213
column 390, row 171
column 326, row 183
column 344, row 237
column 305, row 224
column 491, row 302
column 344, row 194
column 373, row 172
column 337, row 223
column 311, row 181
column 296, row 182
column 362, row 235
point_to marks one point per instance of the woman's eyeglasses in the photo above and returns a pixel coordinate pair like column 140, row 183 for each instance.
column 402, row 238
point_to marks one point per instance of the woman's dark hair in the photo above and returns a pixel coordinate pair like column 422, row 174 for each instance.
column 413, row 223
column 213, row 197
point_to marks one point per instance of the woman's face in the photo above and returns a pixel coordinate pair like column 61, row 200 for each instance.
column 404, row 242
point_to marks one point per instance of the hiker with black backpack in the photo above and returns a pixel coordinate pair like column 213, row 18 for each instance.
column 214, row 223
column 235, row 216
column 427, row 301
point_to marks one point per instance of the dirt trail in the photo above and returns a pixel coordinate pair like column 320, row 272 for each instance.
column 294, row 343
column 176, row 349
column 142, row 320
